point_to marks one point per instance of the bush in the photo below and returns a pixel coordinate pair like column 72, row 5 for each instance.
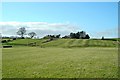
column 4, row 41
column 8, row 40
column 14, row 38
column 102, row 38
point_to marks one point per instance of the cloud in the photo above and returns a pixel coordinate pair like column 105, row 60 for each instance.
column 108, row 32
column 41, row 28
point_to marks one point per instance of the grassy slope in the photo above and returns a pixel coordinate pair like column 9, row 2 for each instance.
column 34, row 62
column 24, row 42
column 65, row 43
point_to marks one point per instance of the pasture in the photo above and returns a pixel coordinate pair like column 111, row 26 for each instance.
column 51, row 62
column 64, row 43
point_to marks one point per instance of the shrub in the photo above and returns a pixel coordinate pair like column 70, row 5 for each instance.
column 14, row 38
column 8, row 40
column 4, row 41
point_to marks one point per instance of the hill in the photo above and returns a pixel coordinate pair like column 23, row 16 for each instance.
column 73, row 58
column 65, row 43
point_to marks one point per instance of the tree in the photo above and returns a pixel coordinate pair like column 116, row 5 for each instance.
column 87, row 36
column 66, row 36
column 78, row 35
column 102, row 37
column 32, row 34
column 58, row 36
column 82, row 34
column 51, row 36
column 21, row 32
column 72, row 35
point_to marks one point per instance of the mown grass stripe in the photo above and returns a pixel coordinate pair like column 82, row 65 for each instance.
column 75, row 43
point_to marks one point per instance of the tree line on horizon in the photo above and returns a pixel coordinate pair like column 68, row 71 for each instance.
column 79, row 35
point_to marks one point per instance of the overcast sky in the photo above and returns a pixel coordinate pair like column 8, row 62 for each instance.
column 96, row 18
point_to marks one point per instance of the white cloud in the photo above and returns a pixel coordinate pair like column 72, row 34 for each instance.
column 108, row 32
column 41, row 28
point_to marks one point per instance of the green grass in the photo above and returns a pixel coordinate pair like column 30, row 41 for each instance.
column 100, row 43
column 23, row 42
column 61, row 58
column 35, row 62
column 65, row 43
column 69, row 43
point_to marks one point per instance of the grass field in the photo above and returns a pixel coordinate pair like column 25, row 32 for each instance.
column 64, row 43
column 85, row 62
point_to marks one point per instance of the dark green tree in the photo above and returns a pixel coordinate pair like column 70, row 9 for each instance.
column 87, row 36
column 72, row 35
column 58, row 36
column 21, row 32
column 32, row 34
column 102, row 37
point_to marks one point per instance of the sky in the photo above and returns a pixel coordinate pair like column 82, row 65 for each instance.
column 60, row 0
column 95, row 18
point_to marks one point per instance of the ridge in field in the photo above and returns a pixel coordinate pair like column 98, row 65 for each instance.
column 64, row 43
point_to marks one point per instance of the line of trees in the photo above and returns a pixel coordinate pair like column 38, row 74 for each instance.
column 51, row 36
column 22, row 32
column 78, row 35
